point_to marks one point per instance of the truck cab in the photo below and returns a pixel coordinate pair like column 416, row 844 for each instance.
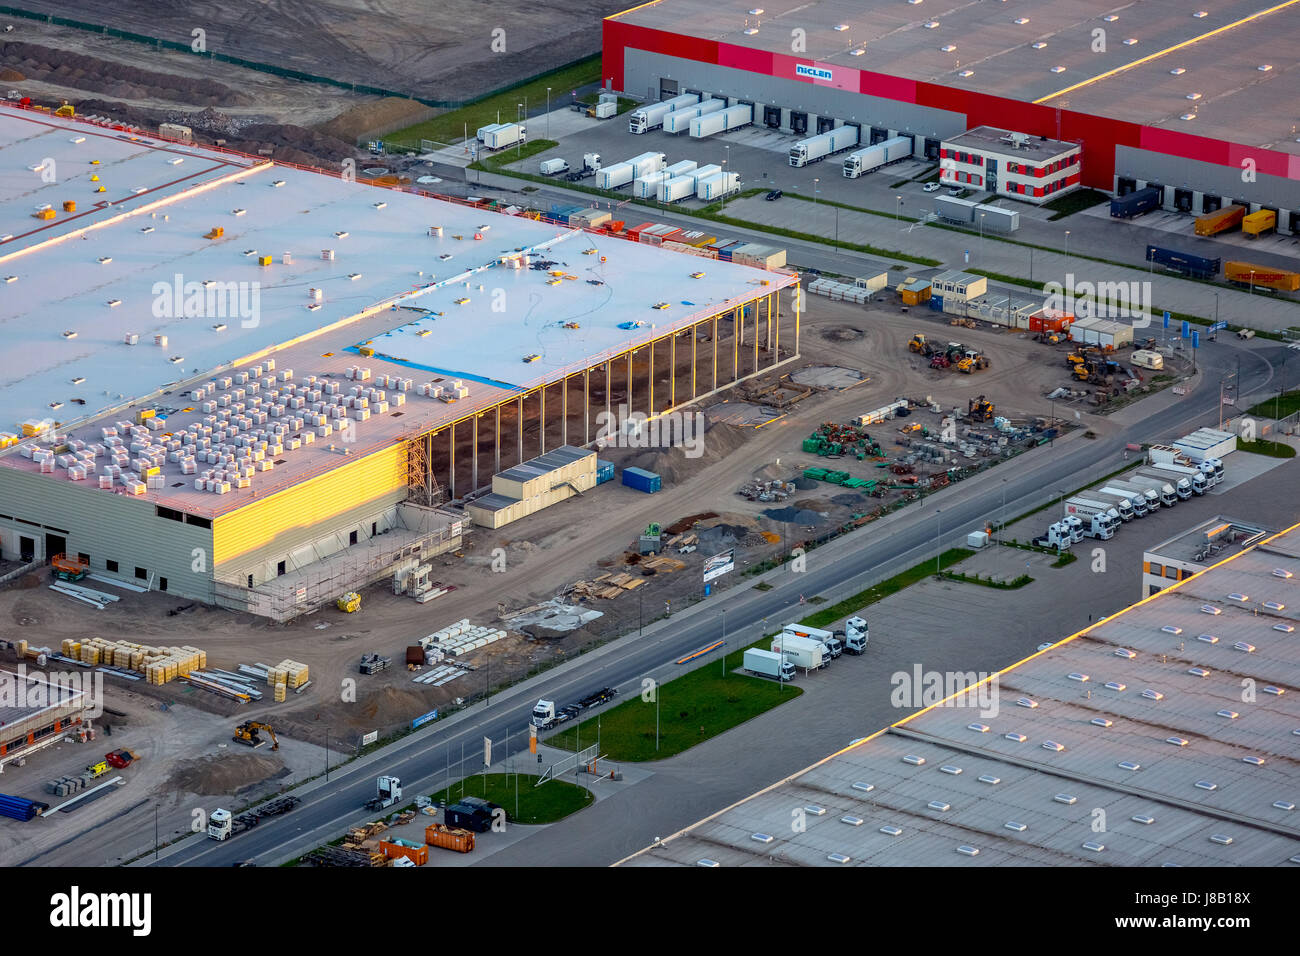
column 219, row 825
column 833, row 646
column 855, row 635
column 1075, row 527
column 388, row 790
column 543, row 714
column 1217, row 465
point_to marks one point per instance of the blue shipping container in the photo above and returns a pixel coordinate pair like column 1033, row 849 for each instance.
column 604, row 471
column 1136, row 203
column 642, row 480
column 936, row 302
column 1197, row 267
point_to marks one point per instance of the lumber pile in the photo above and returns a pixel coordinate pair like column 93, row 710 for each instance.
column 662, row 564
column 338, row 856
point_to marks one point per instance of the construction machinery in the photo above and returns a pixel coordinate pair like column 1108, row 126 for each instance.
column 69, row 569
column 121, row 759
column 979, row 410
column 970, row 361
column 249, row 733
column 919, row 345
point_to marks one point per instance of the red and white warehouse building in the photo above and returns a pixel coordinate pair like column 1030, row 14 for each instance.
column 1195, row 96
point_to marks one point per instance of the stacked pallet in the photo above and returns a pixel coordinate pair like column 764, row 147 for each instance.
column 338, row 856
column 663, row 564
column 288, row 672
column 158, row 664
column 69, row 785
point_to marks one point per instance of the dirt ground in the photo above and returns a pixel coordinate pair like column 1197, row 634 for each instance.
column 441, row 52
column 544, row 555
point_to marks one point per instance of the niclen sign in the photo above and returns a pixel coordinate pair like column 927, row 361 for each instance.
column 812, row 72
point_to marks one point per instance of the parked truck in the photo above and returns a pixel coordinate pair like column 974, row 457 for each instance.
column 768, row 664
column 1058, row 536
column 1134, row 493
column 553, row 167
column 1136, row 203
column 1252, row 276
column 832, row 645
column 1181, row 486
column 506, row 134
column 1161, row 486
column 388, row 790
column 863, row 161
column 675, row 189
column 1084, row 504
column 717, row 185
column 1213, row 223
column 1128, row 508
column 801, row 651
column 611, row 177
column 855, row 635
column 733, row 117
column 1098, row 520
column 1200, row 484
column 222, row 824
column 816, row 148
column 646, row 163
column 1184, row 263
column 679, row 120
column 1258, row 223
column 650, row 117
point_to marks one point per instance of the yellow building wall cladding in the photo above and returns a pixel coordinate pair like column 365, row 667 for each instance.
column 305, row 509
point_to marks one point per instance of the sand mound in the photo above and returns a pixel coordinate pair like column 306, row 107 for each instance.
column 377, row 117
column 687, row 523
column 674, row 465
column 224, row 774
column 11, row 76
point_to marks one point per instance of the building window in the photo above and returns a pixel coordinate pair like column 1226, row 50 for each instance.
column 162, row 584
column 111, row 566
column 1153, row 589
column 374, row 528
column 198, row 522
column 250, row 580
column 141, row 573
column 1172, row 573
column 279, row 568
column 83, row 557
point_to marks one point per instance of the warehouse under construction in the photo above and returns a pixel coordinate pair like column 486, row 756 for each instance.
column 263, row 387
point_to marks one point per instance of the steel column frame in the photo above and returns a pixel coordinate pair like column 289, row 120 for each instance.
column 650, row 379
column 609, row 376
column 629, row 381
column 496, row 441
column 756, row 308
column 672, row 370
column 564, row 411
column 586, row 406
column 541, row 421
column 473, row 468
column 714, row 343
column 519, row 422
column 451, row 456
column 695, row 335
column 737, row 322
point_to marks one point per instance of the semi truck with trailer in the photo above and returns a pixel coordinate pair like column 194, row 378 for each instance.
column 1199, row 481
column 723, row 121
column 1161, row 486
column 505, row 134
column 553, row 167
column 828, row 639
column 1169, row 455
column 1084, row 504
column 679, row 120
column 1099, row 520
column 863, row 161
column 1128, row 508
column 816, row 148
column 768, row 664
column 1134, row 494
column 1181, row 485
column 1184, row 263
column 1252, row 276
column 650, row 117
column 1213, row 223
column 801, row 651
column 717, row 185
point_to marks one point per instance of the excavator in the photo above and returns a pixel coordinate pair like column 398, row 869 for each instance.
column 247, row 733
column 980, row 410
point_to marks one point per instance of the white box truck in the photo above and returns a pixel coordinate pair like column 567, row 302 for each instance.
column 768, row 664
column 801, row 651
column 507, row 134
column 703, row 172
column 1123, row 504
column 651, row 116
column 1087, row 504
column 647, row 186
column 484, row 130
column 553, row 167
column 611, row 177
column 818, row 147
column 733, row 117
column 679, row 120
column 1097, row 519
column 1200, row 482
column 863, row 161
column 1182, row 488
column 676, row 189
column 1135, row 493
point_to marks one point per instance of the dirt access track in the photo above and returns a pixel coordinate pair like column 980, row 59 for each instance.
column 435, row 51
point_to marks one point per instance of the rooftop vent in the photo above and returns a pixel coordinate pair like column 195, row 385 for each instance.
column 888, row 830
column 1125, row 653
column 1178, row 71
column 966, row 850
column 837, row 858
column 1068, row 799
column 1018, row 738
column 1221, row 839
column 949, row 768
column 1198, row 672
column 1026, row 702
column 1115, row 685
column 989, row 779
column 1128, row 765
column 1176, row 741
column 1283, row 805
column 1015, row 827
column 851, row 820
column 1142, row 818
column 761, row 837
column 1245, row 647
column 1094, row 846
column 1172, row 629
column 939, row 805
column 1150, row 694
column 815, row 810
column 1100, row 721
column 1211, row 609
column 1281, row 573
column 1206, row 785
column 707, row 862
column 1275, row 691
column 1230, row 714
column 914, row 760
column 864, row 787
column 1207, row 638
column 1053, row 746
column 1253, row 761
column 1284, row 628
column 978, row 728
column 1039, row 45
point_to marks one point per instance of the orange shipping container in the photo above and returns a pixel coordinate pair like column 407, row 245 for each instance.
column 1213, row 223
column 419, row 855
column 449, row 838
column 1263, row 277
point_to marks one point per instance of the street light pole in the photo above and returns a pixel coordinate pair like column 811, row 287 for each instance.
column 898, row 203
column 938, row 539
column 1067, row 248
column 1002, row 515
column 548, row 112
column 816, row 181
column 724, row 642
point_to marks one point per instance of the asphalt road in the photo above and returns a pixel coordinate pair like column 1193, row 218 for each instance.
column 426, row 760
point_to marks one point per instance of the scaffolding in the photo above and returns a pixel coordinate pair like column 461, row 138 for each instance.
column 421, row 483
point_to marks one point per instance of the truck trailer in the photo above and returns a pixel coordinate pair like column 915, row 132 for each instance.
column 717, row 185
column 679, row 120
column 863, row 161
column 816, row 148
column 1182, row 487
column 1083, row 504
column 1096, row 520
column 506, row 134
column 723, row 121
column 1127, row 508
column 801, row 651
column 1213, row 223
column 611, row 177
column 1184, row 263
column 827, row 638
column 1136, row 203
column 1200, row 483
column 675, row 189
column 1135, row 493
column 1252, row 276
column 1161, row 485
column 768, row 664
column 650, row 117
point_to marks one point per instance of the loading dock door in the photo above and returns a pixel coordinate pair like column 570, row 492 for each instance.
column 1211, row 203
column 798, row 122
column 931, row 149
column 878, row 135
column 667, row 89
column 825, row 124
column 1126, row 186
column 1183, row 200
column 772, row 117
column 55, row 544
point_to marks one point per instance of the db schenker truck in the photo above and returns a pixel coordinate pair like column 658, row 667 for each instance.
column 1095, row 518
column 818, row 147
column 801, row 651
column 1084, row 504
column 768, row 664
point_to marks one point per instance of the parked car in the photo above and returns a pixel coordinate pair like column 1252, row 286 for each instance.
column 930, row 187
column 774, row 194
column 956, row 191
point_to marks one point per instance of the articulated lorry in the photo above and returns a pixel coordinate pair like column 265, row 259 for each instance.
column 650, row 117
column 503, row 135
column 1211, row 468
column 1134, row 493
column 1059, row 535
column 1161, row 486
column 679, row 120
column 1098, row 520
column 801, row 651
column 863, row 161
column 818, row 147
column 828, row 639
column 1200, row 481
column 733, row 117
column 1127, row 507
column 768, row 664
column 1180, row 486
